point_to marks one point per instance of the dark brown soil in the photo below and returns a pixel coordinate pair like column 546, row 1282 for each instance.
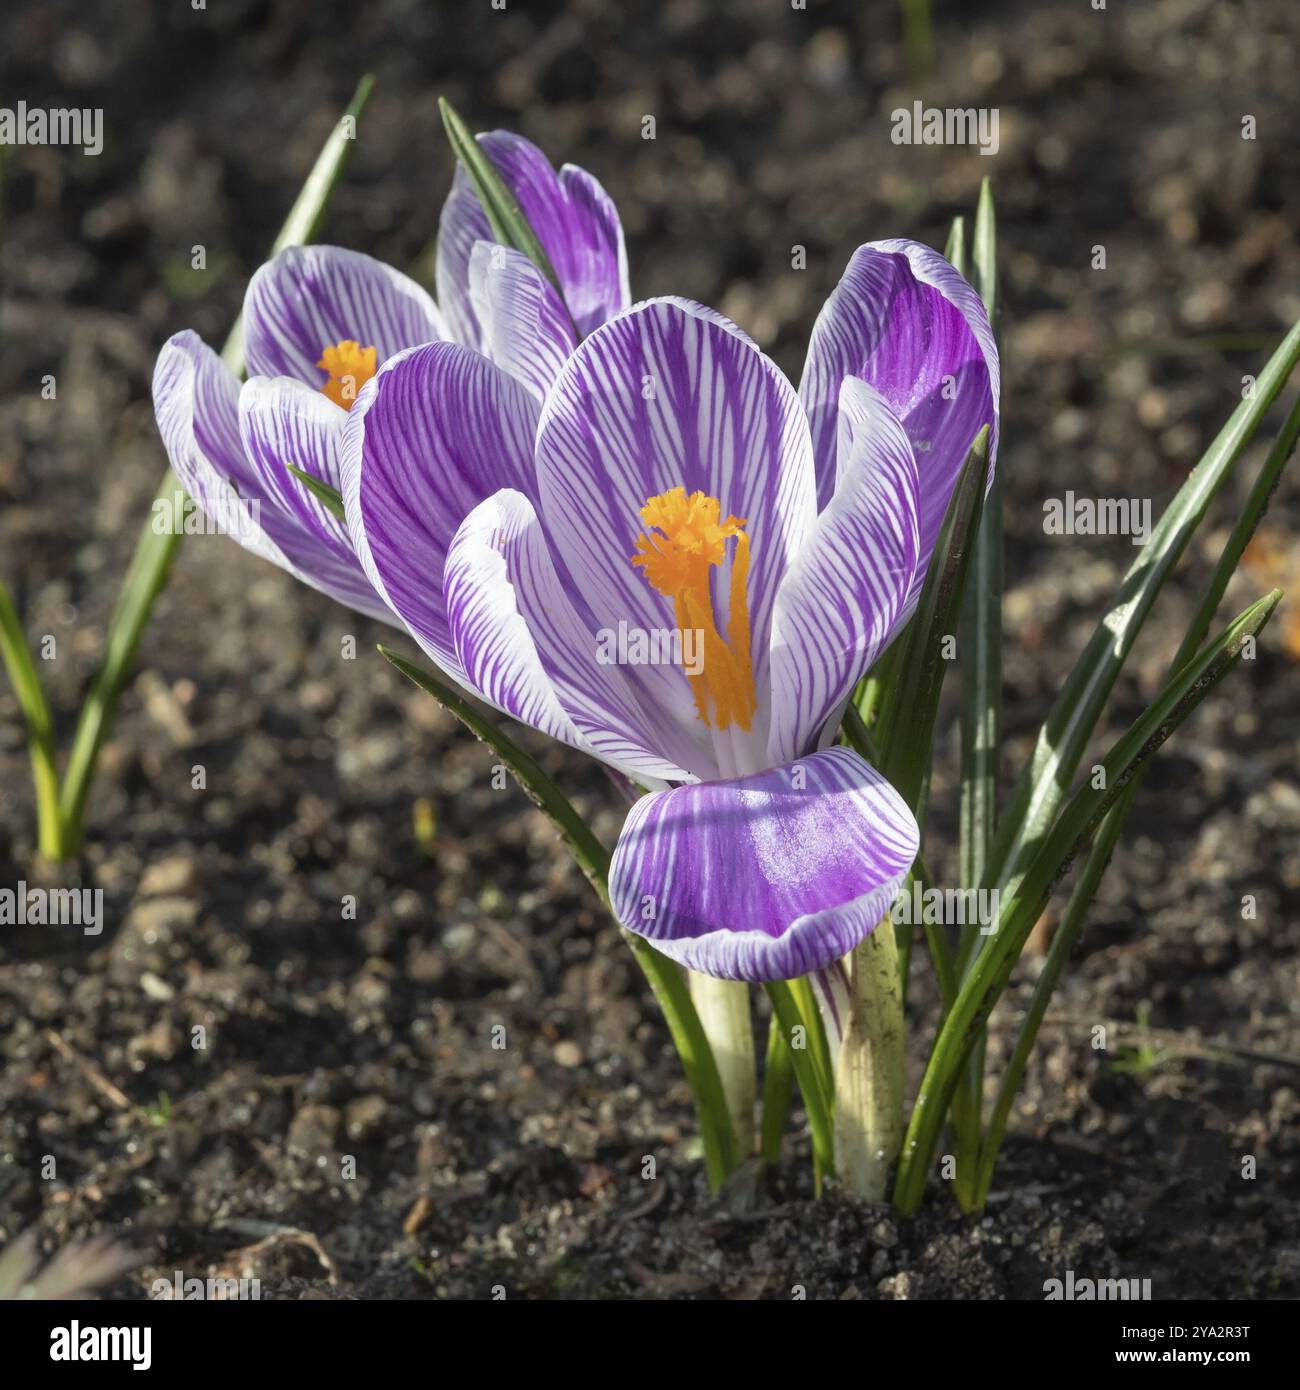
column 372, row 1038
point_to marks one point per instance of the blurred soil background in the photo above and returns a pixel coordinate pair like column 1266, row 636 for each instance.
column 328, row 1037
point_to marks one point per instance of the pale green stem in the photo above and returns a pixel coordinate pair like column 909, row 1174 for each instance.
column 869, row 1072
column 723, row 1007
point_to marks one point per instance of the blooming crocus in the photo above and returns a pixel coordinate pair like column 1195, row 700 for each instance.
column 672, row 481
column 319, row 321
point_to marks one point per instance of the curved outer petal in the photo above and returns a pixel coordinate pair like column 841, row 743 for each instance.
column 671, row 395
column 283, row 422
column 436, row 430
column 593, row 264
column 905, row 321
column 307, row 298
column 523, row 648
column 844, row 597
column 197, row 403
column 526, row 331
column 573, row 217
column 767, row 877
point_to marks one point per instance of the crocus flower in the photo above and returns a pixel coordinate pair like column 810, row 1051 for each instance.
column 672, row 481
column 320, row 320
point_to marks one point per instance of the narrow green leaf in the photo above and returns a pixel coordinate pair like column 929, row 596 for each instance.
column 869, row 698
column 918, row 37
column 307, row 216
column 1071, row 925
column 817, row 1101
column 329, row 497
column 506, row 218
column 778, row 1082
column 985, row 254
column 955, row 249
column 155, row 554
column 27, row 687
column 1027, row 893
column 979, row 648
column 801, row 991
column 1075, row 713
column 980, row 660
column 906, row 731
column 665, row 979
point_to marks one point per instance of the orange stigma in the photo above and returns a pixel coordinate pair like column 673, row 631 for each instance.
column 350, row 366
column 676, row 562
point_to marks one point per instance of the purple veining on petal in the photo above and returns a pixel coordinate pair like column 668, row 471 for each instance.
column 523, row 648
column 845, row 595
column 573, row 217
column 767, row 877
column 903, row 320
column 308, row 298
column 437, row 430
column 670, row 395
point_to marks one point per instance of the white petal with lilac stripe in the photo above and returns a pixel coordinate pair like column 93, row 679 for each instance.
column 904, row 320
column 523, row 648
column 525, row 328
column 766, row 877
column 844, row 597
column 308, row 298
column 433, row 433
column 671, row 395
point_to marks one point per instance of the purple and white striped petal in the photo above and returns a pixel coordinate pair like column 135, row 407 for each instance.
column 573, row 217
column 671, row 395
column 433, row 433
column 196, row 404
column 526, row 330
column 283, row 422
column 907, row 323
column 593, row 264
column 523, row 647
column 308, row 298
column 845, row 595
column 200, row 414
column 767, row 877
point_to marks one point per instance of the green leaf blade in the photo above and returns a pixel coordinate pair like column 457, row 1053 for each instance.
column 1027, row 893
column 505, row 216
column 329, row 497
column 1103, row 846
column 906, row 732
column 1077, row 709
column 155, row 553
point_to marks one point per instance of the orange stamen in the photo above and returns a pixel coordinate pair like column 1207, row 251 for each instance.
column 691, row 540
column 349, row 366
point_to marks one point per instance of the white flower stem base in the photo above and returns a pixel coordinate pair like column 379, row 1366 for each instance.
column 723, row 1007
column 869, row 1071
